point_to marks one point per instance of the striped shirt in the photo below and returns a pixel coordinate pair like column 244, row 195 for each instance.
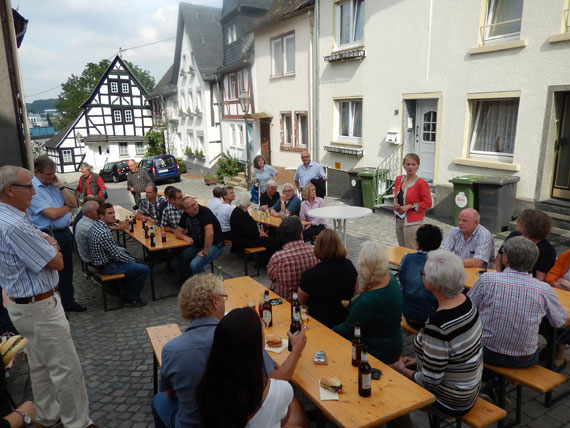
column 24, row 254
column 171, row 216
column 103, row 249
column 480, row 245
column 512, row 305
column 449, row 358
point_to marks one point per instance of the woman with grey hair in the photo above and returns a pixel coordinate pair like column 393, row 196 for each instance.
column 245, row 232
column 449, row 354
column 90, row 183
column 378, row 306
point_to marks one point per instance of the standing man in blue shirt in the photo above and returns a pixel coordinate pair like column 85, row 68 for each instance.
column 29, row 262
column 51, row 213
column 307, row 171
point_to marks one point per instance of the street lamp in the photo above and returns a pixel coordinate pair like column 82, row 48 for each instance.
column 244, row 102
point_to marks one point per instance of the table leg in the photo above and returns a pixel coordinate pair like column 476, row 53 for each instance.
column 154, row 374
column 151, row 267
column 340, row 227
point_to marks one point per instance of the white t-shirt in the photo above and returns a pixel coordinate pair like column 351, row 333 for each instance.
column 224, row 213
column 274, row 407
column 214, row 204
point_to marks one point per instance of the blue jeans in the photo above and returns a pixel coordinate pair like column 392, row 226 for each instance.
column 501, row 360
column 197, row 263
column 65, row 284
column 164, row 410
column 135, row 277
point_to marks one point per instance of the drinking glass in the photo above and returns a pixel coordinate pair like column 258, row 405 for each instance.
column 305, row 316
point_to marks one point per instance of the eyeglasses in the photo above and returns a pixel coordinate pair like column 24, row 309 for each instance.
column 288, row 190
column 225, row 296
column 29, row 186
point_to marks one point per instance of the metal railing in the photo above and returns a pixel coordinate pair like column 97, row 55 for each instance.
column 386, row 173
column 485, row 30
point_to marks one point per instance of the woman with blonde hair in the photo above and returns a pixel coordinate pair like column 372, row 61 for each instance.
column 378, row 307
column 324, row 286
column 310, row 201
column 412, row 198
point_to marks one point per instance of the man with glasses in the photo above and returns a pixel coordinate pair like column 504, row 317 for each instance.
column 29, row 275
column 201, row 229
column 173, row 211
column 51, row 213
column 202, row 302
column 288, row 203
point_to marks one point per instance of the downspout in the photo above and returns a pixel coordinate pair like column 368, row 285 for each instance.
column 28, row 159
column 315, row 80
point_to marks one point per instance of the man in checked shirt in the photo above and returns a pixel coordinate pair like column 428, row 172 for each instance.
column 109, row 258
column 137, row 180
column 151, row 208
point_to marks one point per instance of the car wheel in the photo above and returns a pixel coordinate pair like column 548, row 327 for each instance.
column 115, row 179
column 177, row 179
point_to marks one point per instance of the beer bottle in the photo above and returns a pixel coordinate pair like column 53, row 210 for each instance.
column 356, row 345
column 267, row 310
column 295, row 327
column 364, row 375
column 295, row 303
column 146, row 231
column 163, row 235
column 152, row 239
column 131, row 226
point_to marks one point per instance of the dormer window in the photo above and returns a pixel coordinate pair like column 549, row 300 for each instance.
column 231, row 32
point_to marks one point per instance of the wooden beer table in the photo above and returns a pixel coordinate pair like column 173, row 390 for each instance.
column 158, row 336
column 138, row 235
column 270, row 220
column 393, row 395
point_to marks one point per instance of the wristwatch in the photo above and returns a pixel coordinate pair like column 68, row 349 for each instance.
column 25, row 416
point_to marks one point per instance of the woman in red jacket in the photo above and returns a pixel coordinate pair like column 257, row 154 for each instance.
column 411, row 198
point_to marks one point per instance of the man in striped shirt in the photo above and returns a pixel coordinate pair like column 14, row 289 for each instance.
column 472, row 242
column 29, row 265
column 512, row 304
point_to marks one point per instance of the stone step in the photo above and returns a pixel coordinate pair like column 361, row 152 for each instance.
column 241, row 175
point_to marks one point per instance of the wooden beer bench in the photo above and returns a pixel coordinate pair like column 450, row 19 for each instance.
column 104, row 281
column 246, row 252
column 158, row 336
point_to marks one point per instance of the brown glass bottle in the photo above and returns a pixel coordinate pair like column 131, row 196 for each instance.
column 364, row 375
column 146, row 231
column 295, row 304
column 267, row 310
column 356, row 345
column 131, row 225
column 152, row 239
column 295, row 327
column 163, row 233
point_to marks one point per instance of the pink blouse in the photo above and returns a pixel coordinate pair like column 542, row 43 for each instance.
column 306, row 207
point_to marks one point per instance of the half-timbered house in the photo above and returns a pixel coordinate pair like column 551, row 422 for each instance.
column 111, row 126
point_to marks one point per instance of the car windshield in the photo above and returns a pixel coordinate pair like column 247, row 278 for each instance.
column 168, row 162
column 108, row 167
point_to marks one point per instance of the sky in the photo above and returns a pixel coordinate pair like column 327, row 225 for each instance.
column 64, row 35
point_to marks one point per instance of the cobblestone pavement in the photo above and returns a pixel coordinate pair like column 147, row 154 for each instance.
column 117, row 359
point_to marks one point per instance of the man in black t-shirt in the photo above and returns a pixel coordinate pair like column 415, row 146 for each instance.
column 200, row 228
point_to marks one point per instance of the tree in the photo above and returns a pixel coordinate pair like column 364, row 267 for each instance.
column 155, row 143
column 77, row 89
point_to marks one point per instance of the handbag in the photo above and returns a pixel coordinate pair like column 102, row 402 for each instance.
column 254, row 194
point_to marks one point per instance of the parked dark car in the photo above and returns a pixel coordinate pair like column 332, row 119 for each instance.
column 114, row 171
column 161, row 168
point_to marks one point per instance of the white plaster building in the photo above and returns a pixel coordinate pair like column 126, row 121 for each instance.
column 186, row 100
column 283, row 65
column 473, row 87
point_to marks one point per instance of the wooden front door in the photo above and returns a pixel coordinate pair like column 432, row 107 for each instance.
column 561, row 182
column 264, row 132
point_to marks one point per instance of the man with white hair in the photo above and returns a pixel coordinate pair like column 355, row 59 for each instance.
column 270, row 196
column 472, row 242
column 288, row 203
column 90, row 183
column 83, row 227
column 512, row 304
column 29, row 275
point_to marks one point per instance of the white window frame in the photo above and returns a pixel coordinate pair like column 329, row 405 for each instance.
column 139, row 148
column 191, row 139
column 279, row 52
column 287, row 138
column 299, row 131
column 353, row 41
column 125, row 88
column 492, row 6
column 67, row 156
column 475, row 118
column 200, row 142
column 128, row 116
column 123, row 149
column 338, row 134
column 114, row 87
column 232, row 87
column 117, row 116
column 199, row 100
column 231, row 32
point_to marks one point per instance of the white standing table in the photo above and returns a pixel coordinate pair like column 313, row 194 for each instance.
column 339, row 214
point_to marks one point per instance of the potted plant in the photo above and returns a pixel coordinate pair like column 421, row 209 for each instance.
column 210, row 179
column 189, row 152
column 197, row 111
column 182, row 73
